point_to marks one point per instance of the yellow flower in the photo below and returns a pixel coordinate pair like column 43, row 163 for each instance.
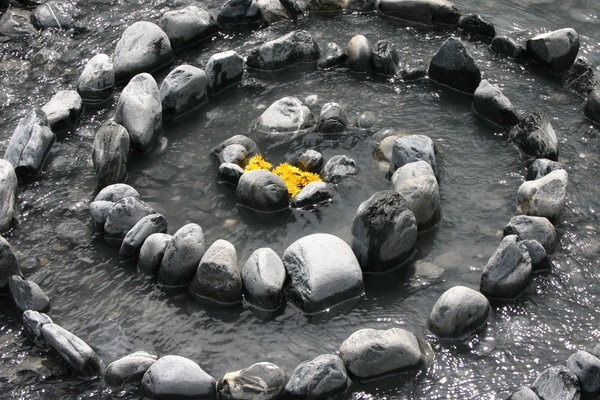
column 257, row 162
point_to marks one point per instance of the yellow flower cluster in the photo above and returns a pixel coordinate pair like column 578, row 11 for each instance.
column 293, row 177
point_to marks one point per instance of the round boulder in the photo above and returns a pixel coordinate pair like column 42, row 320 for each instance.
column 410, row 148
column 182, row 256
column 314, row 193
column 182, row 91
column 262, row 191
column 458, row 312
column 128, row 370
column 323, row 377
column 339, row 167
column 97, row 80
column 123, row 216
column 55, row 14
column 260, row 381
column 236, row 12
column 453, row 66
column 223, row 70
column 177, row 377
column 284, row 120
column 544, row 197
column 332, row 119
column 263, row 277
column 557, row 49
column 587, row 368
column 359, row 54
column 187, row 26
column 27, row 295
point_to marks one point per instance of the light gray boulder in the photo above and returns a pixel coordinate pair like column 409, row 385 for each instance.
column 426, row 12
column 99, row 211
column 8, row 194
column 332, row 56
column 458, row 312
column 15, row 22
column 339, row 167
column 262, row 191
column 359, row 54
column 283, row 121
column 587, row 369
column 505, row 45
column 123, row 215
column 523, row 393
column 33, row 322
column 176, row 377
column 310, row 161
column 110, row 153
column 182, row 256
column 332, row 119
column 230, row 172
column 454, row 66
column 260, row 381
column 417, row 184
column 234, row 153
column 411, row 148
column 322, row 271
column 152, row 252
column 544, row 197
column 386, row 60
column 491, row 104
column 27, row 295
column 182, row 91
column 143, row 47
column 187, row 26
column 9, row 265
column 528, row 227
column 293, row 48
column 385, row 147
column 272, row 11
column 223, row 70
column 76, row 353
column 137, row 235
column 313, row 194
column 557, row 49
column 323, row 377
column 541, row 167
column 97, row 79
column 116, row 192
column 535, row 137
column 249, row 145
column 477, row 25
column 263, row 279
column 128, row 370
column 557, row 383
column 55, row 14
column 239, row 12
column 592, row 106
column 63, row 109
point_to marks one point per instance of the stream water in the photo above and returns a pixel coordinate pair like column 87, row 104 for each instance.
column 117, row 311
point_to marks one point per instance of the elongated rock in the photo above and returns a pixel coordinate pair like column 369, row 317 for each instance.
column 33, row 322
column 8, row 194
column 9, row 265
column 284, row 120
column 528, row 227
column 263, row 277
column 27, row 295
column 135, row 238
column 490, row 103
column 152, row 253
column 411, row 148
column 262, row 191
column 359, row 54
column 176, row 377
column 78, row 355
column 427, row 12
column 128, row 370
column 123, row 216
column 182, row 256
column 110, row 153
column 293, row 48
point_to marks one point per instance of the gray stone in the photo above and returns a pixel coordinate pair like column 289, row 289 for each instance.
column 99, row 211
column 491, row 104
column 539, row 257
column 332, row 56
column 541, row 167
column 386, row 59
column 262, row 191
column 323, row 377
column 223, row 70
column 458, row 312
column 310, row 161
column 384, row 232
column 182, row 256
column 152, row 253
column 9, row 265
column 477, row 25
column 592, row 106
column 544, row 197
column 361, row 6
column 55, row 14
column 234, row 153
column 539, row 229
column 16, row 22
column 230, row 172
column 249, row 145
column 260, row 381
column 8, row 195
column 182, row 91
column 110, row 153
column 385, row 148
column 587, row 369
column 78, row 355
column 33, row 322
column 580, row 78
column 414, row 69
column 453, row 66
column 523, row 393
column 557, row 383
column 63, row 109
column 312, row 194
column 359, row 54
column 284, row 120
column 322, row 271
column 535, row 137
column 187, row 26
column 367, row 120
column 97, row 80
column 263, row 277
column 332, row 119
column 292, row 8
column 139, row 110
column 27, row 295
column 175, row 377
column 339, row 167
column 557, row 49
column 417, row 184
column 411, row 148
column 272, row 11
column 116, row 192
column 143, row 47
column 504, row 45
column 508, row 271
column 128, row 370
column 295, row 47
column 123, row 216
column 596, row 351
column 236, row 12
column 137, row 235
column 427, row 12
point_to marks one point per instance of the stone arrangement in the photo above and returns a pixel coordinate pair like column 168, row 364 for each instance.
column 318, row 271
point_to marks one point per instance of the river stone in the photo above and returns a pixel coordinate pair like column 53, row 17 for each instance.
column 99, row 211
column 187, row 26
column 55, row 14
column 339, row 167
column 322, row 271
column 143, row 47
column 295, row 47
column 33, row 322
column 595, row 351
column 249, row 145
column 230, row 172
column 183, row 90
column 477, row 25
column 411, row 148
column 458, row 312
column 310, row 161
column 539, row 257
column 427, row 12
column 535, row 137
column 182, row 256
column 27, row 295
column 235, row 12
column 327, row 6
column 152, row 253
column 234, row 153
column 123, row 216
column 557, row 383
column 332, row 119
column 128, row 370
column 490, row 103
column 110, row 153
column 384, row 232
column 292, row 8
column 323, row 377
column 523, row 393
column 367, row 120
column 223, row 70
column 30, row 143
column 272, row 11
column 9, row 265
column 176, row 377
column 504, row 45
column 63, row 109
column 359, row 54
column 263, row 191
column 370, row 353
column 417, row 184
column 263, row 277
column 587, row 368
column 16, row 22
column 413, row 69
column 539, row 229
column 314, row 193
column 97, row 80
column 544, row 197
column 557, row 49
column 361, row 6
column 592, row 106
column 77, row 354
column 453, row 66
column 135, row 238
column 284, row 120
column 116, row 192
column 385, row 58
column 332, row 56
column 8, row 194
column 580, row 78
column 541, row 167
column 508, row 271
column 260, row 381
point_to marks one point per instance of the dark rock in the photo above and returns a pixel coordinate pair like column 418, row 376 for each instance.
column 116, row 192
column 78, row 355
column 332, row 119
column 453, row 66
column 508, row 47
column 458, row 312
column 223, row 70
column 477, row 25
column 411, row 148
column 55, row 14
column 523, row 393
column 385, row 58
column 128, row 370
column 63, row 109
column 539, row 257
column 323, row 377
column 533, row 228
column 33, row 322
column 260, row 381
column 182, row 91
column 414, row 69
column 310, row 161
column 263, row 277
column 152, row 253
column 262, row 191
column 314, row 193
column 249, row 145
column 9, row 265
column 490, row 103
column 332, row 56
column 175, row 377
column 123, row 216
column 557, row 383
column 110, row 153
column 361, row 6
column 359, row 54
column 271, row 11
column 234, row 153
column 283, row 121
column 557, row 49
column 326, row 6
column 293, row 48
column 544, row 197
column 427, row 12
column 97, row 80
column 235, row 12
column 587, row 368
column 592, row 106
column 292, row 8
column 230, row 172
column 8, row 194
column 27, row 295
column 540, row 168
column 338, row 168
column 137, row 235
column 580, row 78
column 182, row 256
column 187, row 26
column 16, row 22
column 535, row 137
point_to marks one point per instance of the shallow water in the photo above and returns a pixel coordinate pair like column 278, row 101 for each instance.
column 117, row 311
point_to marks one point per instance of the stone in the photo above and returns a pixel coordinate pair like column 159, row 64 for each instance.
column 8, row 195
column 417, row 184
column 128, row 370
column 77, row 354
column 557, row 383
column 370, row 353
column 99, row 211
column 187, row 26
column 27, row 295
column 55, row 14
column 260, row 381
column 491, row 104
column 139, row 110
column 310, row 161
column 314, row 193
column 30, row 143
column 539, row 229
column 33, row 322
column 292, row 8
column 223, row 70
column 97, row 80
column 137, row 235
column 541, row 167
column 9, row 265
column 477, row 25
column 523, row 393
column 556, row 50
column 592, row 106
column 63, row 109
column 323, row 377
column 236, row 12
column 459, row 312
column 587, row 369
column 385, row 148
column 332, row 56
column 580, row 78
column 262, row 191
column 110, row 153
column 284, row 120
column 116, row 192
column 327, row 6
column 411, row 148
column 544, row 197
column 595, row 351
column 230, row 172
column 152, row 253
column 539, row 257
column 123, row 216
column 322, row 272
column 359, row 54
column 454, row 66
column 182, row 256
column 263, row 278
column 361, row 6
column 413, row 69
column 367, row 121
column 339, row 167
column 272, row 11
column 507, row 46
column 426, row 12
column 182, row 91
column 384, row 232
column 535, row 137
column 293, row 48
column 385, row 58
column 234, row 154
column 508, row 271
column 332, row 119
column 249, row 145
column 15, row 22
column 143, row 47
column 176, row 377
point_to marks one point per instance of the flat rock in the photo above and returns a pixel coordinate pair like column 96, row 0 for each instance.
column 97, row 79
column 137, row 235
column 238, row 12
column 182, row 91
column 557, row 383
column 187, row 26
column 263, row 278
column 295, row 47
column 116, row 192
column 9, row 265
column 587, row 369
column 313, row 194
column 453, row 66
column 332, row 56
column 386, row 60
column 332, row 119
column 27, row 295
column 284, row 120
column 263, row 191
column 110, row 153
column 544, row 197
column 592, row 106
column 55, row 14
column 176, row 377
column 63, row 109
column 458, row 312
column 491, row 104
column 8, row 195
column 411, row 148
column 223, row 70
column 557, row 49
column 323, row 377
column 15, row 22
column 477, row 25
column 33, row 322
column 182, row 256
column 533, row 228
column 535, row 137
column 152, row 253
column 77, row 354
column 541, row 167
column 359, row 54
column 128, row 370
column 123, row 216
column 339, row 167
column 260, row 381
column 426, row 12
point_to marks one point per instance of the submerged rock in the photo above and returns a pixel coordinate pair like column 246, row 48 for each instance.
column 413, row 69
column 359, row 54
column 260, row 381
column 411, row 148
column 458, row 312
column 77, row 354
column 557, row 383
column 544, row 197
column 505, row 45
column 137, row 235
column 339, row 167
column 116, row 192
column 187, row 26
column 97, row 80
column 123, row 216
column 110, row 153
column 128, row 370
column 528, row 227
column 453, row 66
column 263, row 277
column 332, row 119
column 176, row 377
column 152, row 252
column 8, row 195
column 290, row 49
column 27, row 295
column 223, row 70
column 490, row 103
column 592, row 106
column 427, row 12
column 182, row 91
column 323, row 377
column 535, row 137
column 63, row 109
column 182, row 256
column 332, row 56
column 557, row 49
column 230, row 172
column 263, row 191
column 245, row 141
column 55, row 14
column 539, row 257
